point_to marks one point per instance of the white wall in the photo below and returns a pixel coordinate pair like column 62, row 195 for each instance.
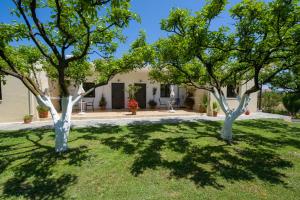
column 232, row 102
column 198, row 97
column 15, row 101
column 141, row 76
column 138, row 76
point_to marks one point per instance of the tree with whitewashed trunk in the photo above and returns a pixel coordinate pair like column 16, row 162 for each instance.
column 263, row 42
column 77, row 28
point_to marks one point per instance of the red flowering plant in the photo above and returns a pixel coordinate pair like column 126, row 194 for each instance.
column 133, row 104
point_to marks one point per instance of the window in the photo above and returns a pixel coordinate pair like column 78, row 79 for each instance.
column 164, row 90
column 232, row 91
column 88, row 86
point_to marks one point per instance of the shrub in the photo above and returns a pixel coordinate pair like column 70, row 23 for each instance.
column 292, row 103
column 28, row 117
column 152, row 103
column 132, row 90
column 270, row 101
column 203, row 105
column 154, row 90
column 42, row 108
column 202, row 108
column 215, row 106
column 102, row 102
column 133, row 104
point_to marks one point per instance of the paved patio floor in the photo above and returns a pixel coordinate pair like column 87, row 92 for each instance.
column 113, row 114
column 124, row 117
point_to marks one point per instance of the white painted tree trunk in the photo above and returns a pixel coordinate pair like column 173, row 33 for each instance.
column 231, row 114
column 226, row 132
column 62, row 124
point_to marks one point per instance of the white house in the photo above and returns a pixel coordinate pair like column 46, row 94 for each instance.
column 116, row 95
column 16, row 100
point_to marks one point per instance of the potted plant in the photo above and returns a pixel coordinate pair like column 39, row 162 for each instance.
column 215, row 109
column 154, row 90
column 202, row 108
column 132, row 90
column 43, row 111
column 152, row 103
column 27, row 119
column 247, row 112
column 133, row 106
column 102, row 103
column 203, row 105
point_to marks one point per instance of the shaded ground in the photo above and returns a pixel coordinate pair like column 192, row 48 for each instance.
column 154, row 161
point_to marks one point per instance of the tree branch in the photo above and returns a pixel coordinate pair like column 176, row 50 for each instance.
column 87, row 34
column 87, row 43
column 41, row 29
column 31, row 34
column 113, row 73
column 26, row 81
column 7, row 72
column 190, row 79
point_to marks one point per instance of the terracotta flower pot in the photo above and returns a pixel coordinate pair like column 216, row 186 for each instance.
column 133, row 111
column 43, row 114
column 102, row 107
column 27, row 121
column 152, row 107
column 215, row 113
column 202, row 109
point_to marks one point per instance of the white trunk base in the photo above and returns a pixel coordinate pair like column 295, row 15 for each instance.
column 62, row 124
column 62, row 129
column 226, row 132
column 231, row 114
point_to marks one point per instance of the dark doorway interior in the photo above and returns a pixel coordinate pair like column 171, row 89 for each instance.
column 117, row 95
column 140, row 96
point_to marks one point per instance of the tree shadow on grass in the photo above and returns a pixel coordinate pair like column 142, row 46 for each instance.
column 206, row 165
column 274, row 126
column 135, row 137
column 203, row 164
column 276, row 134
column 97, row 131
column 33, row 166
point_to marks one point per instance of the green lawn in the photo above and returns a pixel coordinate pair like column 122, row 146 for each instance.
column 170, row 161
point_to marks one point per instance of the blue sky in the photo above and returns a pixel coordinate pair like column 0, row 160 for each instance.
column 151, row 13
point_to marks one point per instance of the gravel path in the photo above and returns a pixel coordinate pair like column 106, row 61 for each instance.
column 139, row 120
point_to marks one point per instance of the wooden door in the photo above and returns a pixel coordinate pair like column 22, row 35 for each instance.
column 140, row 95
column 117, row 95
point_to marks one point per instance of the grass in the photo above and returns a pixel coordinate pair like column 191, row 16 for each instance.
column 154, row 161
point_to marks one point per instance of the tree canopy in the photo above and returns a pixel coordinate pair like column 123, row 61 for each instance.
column 61, row 45
column 263, row 43
column 288, row 80
column 64, row 41
column 257, row 49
